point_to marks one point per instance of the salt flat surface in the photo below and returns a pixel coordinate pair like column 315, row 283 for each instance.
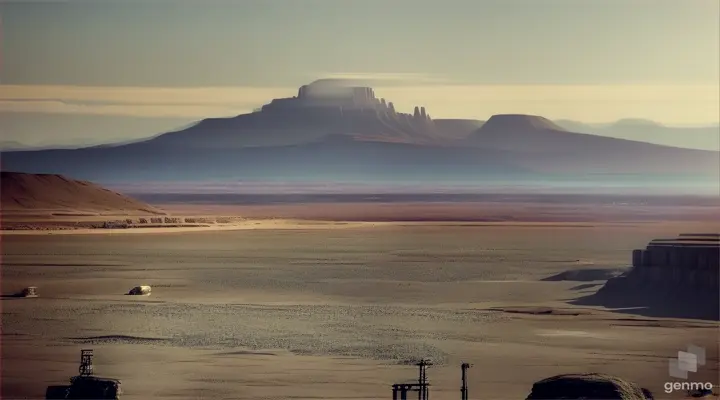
column 325, row 314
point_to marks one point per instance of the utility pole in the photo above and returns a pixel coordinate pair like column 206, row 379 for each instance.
column 423, row 392
column 464, row 389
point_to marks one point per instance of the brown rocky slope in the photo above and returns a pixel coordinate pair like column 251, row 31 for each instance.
column 29, row 193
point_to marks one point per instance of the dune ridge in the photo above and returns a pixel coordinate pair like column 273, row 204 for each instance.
column 57, row 194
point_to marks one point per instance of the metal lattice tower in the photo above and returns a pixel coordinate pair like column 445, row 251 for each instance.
column 86, row 360
column 400, row 390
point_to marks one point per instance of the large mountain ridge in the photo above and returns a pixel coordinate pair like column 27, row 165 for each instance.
column 331, row 130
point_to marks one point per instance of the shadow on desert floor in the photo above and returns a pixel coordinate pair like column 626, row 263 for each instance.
column 653, row 302
column 585, row 275
column 646, row 303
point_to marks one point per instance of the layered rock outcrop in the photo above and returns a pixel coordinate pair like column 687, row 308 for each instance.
column 677, row 277
column 690, row 260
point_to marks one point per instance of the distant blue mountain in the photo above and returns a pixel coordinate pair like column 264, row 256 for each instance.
column 331, row 131
column 704, row 137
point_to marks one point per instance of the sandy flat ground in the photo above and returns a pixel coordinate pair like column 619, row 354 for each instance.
column 294, row 224
column 250, row 224
column 250, row 213
column 331, row 313
column 532, row 209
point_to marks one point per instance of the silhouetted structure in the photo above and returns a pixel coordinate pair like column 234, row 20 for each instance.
column 85, row 385
column 570, row 386
column 464, row 388
column 86, row 359
column 422, row 386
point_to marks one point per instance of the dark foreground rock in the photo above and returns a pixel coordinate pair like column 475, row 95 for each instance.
column 86, row 387
column 587, row 386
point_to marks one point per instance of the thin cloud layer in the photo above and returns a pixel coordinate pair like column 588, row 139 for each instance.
column 669, row 104
column 135, row 101
column 386, row 78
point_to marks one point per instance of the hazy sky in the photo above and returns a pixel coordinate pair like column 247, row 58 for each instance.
column 588, row 60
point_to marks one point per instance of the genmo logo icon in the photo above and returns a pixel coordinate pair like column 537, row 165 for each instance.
column 680, row 367
column 686, row 361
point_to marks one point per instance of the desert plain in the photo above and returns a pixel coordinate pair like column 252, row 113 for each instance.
column 336, row 301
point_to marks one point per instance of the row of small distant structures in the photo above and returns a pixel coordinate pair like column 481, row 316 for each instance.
column 165, row 222
column 87, row 386
column 141, row 222
column 567, row 386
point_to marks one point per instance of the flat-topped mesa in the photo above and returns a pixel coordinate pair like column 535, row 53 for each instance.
column 358, row 95
column 519, row 123
column 671, row 278
column 328, row 94
column 337, row 92
column 692, row 259
column 341, row 96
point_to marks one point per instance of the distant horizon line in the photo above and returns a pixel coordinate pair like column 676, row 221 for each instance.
column 591, row 124
column 555, row 120
column 710, row 124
